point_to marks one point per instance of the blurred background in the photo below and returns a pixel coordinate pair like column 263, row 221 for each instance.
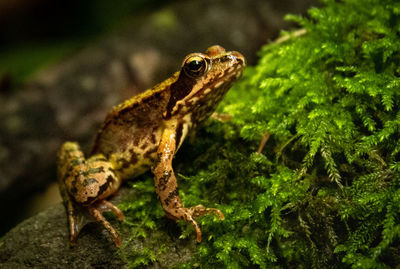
column 64, row 64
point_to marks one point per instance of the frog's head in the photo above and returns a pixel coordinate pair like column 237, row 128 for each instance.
column 203, row 81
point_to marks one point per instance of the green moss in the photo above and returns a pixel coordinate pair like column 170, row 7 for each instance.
column 324, row 192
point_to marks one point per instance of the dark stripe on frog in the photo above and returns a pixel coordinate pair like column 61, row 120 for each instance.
column 179, row 89
column 153, row 136
column 73, row 190
column 178, row 134
column 150, row 152
column 102, row 189
column 171, row 196
column 77, row 161
column 162, row 183
column 133, row 155
column 158, row 159
column 144, row 146
column 126, row 163
column 92, row 171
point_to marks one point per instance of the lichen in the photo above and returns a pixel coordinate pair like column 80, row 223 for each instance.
column 324, row 191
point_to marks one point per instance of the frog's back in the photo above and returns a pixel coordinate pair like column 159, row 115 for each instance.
column 132, row 130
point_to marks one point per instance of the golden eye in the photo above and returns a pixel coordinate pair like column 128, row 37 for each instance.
column 195, row 66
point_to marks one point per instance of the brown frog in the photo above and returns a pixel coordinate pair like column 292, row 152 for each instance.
column 145, row 132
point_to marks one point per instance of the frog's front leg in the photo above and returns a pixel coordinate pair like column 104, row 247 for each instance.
column 167, row 187
column 84, row 186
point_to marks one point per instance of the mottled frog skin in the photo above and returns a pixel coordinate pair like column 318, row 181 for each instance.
column 144, row 133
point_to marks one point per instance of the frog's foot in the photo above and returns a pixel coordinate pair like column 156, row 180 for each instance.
column 106, row 206
column 96, row 211
column 188, row 214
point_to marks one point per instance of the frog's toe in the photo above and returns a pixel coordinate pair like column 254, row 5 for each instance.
column 106, row 206
column 198, row 234
column 200, row 210
column 218, row 213
column 96, row 213
column 196, row 227
column 189, row 215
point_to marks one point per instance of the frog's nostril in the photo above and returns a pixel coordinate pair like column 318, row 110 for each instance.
column 239, row 57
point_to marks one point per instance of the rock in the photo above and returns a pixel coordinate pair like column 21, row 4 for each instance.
column 42, row 242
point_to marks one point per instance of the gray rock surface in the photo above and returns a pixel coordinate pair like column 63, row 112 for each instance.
column 42, row 242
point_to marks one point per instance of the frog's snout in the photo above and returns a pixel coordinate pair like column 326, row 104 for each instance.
column 239, row 57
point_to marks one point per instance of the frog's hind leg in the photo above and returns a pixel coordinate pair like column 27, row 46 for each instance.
column 76, row 217
column 106, row 206
column 84, row 186
column 70, row 161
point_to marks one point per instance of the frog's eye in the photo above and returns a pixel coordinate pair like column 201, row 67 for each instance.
column 195, row 66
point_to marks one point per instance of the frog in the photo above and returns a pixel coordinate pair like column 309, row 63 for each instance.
column 144, row 133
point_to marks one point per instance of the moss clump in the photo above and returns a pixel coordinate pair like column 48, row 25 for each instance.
column 324, row 192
